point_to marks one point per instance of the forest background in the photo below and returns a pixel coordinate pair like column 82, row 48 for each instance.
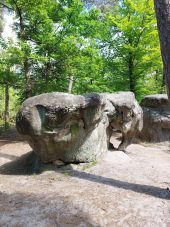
column 77, row 47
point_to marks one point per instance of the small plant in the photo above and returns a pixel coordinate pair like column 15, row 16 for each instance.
column 89, row 165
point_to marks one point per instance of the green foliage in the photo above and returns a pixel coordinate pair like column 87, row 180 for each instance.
column 133, row 48
column 55, row 41
column 110, row 50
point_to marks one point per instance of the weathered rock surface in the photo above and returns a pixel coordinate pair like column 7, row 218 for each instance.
column 127, row 116
column 64, row 126
column 77, row 128
column 156, row 110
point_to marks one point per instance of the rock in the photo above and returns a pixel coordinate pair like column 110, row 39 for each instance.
column 66, row 127
column 58, row 163
column 116, row 157
column 156, row 109
column 155, row 101
column 77, row 128
column 126, row 116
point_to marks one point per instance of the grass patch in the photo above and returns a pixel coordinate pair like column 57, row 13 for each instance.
column 89, row 165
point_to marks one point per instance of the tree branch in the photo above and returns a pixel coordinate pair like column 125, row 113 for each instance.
column 3, row 5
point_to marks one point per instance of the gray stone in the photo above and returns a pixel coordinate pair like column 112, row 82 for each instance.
column 155, row 101
column 77, row 128
column 126, row 116
column 64, row 127
column 156, row 109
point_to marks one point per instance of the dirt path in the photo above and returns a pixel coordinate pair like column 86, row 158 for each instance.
column 121, row 190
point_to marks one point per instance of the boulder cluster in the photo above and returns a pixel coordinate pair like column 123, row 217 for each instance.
column 77, row 128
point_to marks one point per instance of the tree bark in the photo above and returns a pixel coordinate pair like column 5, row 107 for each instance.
column 47, row 71
column 1, row 21
column 70, row 86
column 132, row 82
column 26, row 65
column 162, row 9
column 6, row 113
column 27, row 75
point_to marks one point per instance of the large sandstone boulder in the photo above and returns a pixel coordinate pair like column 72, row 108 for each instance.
column 156, row 110
column 77, row 128
column 64, row 126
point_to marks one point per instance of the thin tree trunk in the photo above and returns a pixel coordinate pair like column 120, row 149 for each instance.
column 47, row 72
column 1, row 21
column 162, row 8
column 27, row 68
column 131, row 75
column 70, row 86
column 27, row 75
column 6, row 113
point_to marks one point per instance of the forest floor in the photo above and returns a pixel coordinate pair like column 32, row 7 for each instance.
column 122, row 190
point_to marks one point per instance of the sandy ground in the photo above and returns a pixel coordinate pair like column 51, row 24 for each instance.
column 121, row 190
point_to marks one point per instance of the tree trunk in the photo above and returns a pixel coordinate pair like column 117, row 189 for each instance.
column 47, row 72
column 1, row 21
column 162, row 8
column 131, row 75
column 28, row 82
column 6, row 113
column 70, row 86
column 27, row 68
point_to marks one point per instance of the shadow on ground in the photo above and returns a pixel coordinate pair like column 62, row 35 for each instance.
column 10, row 136
column 139, row 188
column 27, row 164
column 38, row 210
column 8, row 156
column 30, row 164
